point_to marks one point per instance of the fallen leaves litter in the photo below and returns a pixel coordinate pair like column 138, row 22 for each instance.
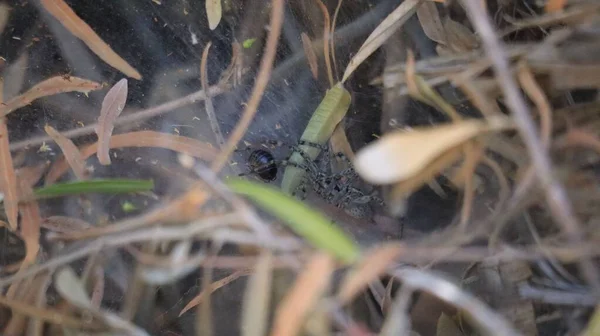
column 112, row 106
column 74, row 24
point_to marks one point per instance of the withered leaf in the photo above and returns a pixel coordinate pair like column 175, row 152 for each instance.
column 112, row 106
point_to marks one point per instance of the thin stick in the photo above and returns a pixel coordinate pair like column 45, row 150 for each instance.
column 264, row 74
column 555, row 194
column 208, row 105
column 127, row 118
column 326, row 37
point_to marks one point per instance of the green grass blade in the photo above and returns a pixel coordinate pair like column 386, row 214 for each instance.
column 106, row 186
column 321, row 125
column 311, row 225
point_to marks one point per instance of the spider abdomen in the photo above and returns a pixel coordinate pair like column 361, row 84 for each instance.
column 262, row 163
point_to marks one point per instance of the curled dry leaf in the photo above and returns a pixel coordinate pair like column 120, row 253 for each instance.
column 112, row 106
column 370, row 268
column 74, row 24
column 385, row 29
column 51, row 86
column 70, row 151
column 176, row 143
column 400, row 155
column 311, row 56
column 307, row 289
column 213, row 13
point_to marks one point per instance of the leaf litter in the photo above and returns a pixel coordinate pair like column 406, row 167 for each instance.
column 478, row 149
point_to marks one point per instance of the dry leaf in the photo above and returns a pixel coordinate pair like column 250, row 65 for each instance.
column 213, row 287
column 112, row 105
column 447, row 327
column 63, row 224
column 213, row 13
column 74, row 24
column 176, row 143
column 70, row 151
column 385, row 29
column 98, row 289
column 51, row 86
column 460, row 38
column 307, row 289
column 370, row 268
column 398, row 156
column 311, row 56
column 31, row 175
column 255, row 311
column 430, row 20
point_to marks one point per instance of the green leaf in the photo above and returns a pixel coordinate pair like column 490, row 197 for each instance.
column 248, row 43
column 311, row 225
column 106, row 186
column 321, row 125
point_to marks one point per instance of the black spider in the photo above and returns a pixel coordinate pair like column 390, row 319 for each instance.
column 262, row 163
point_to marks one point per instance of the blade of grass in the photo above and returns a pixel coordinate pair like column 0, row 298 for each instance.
column 255, row 311
column 110, row 186
column 314, row 227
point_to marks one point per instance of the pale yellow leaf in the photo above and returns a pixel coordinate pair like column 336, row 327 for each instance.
column 74, row 24
column 385, row 29
column 402, row 154
column 213, row 13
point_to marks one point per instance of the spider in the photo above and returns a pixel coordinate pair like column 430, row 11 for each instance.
column 337, row 188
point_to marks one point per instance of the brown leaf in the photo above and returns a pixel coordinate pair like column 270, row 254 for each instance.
column 307, row 289
column 370, row 268
column 213, row 13
column 311, row 56
column 430, row 20
column 98, row 289
column 74, row 24
column 31, row 175
column 460, row 38
column 70, row 152
column 176, row 143
column 51, row 86
column 213, row 287
column 112, row 105
column 385, row 29
column 63, row 224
